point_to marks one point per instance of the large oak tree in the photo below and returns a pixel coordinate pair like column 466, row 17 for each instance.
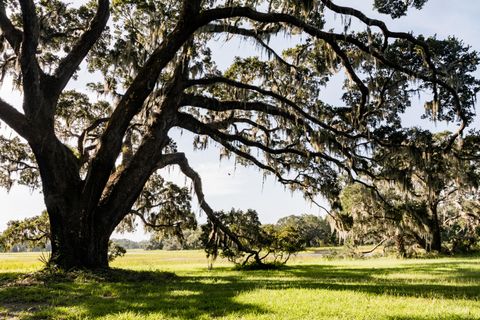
column 154, row 73
column 421, row 191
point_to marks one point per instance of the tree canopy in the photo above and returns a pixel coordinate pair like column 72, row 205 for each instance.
column 422, row 191
column 97, row 156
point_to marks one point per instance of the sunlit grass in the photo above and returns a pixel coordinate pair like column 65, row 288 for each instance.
column 310, row 287
column 21, row 262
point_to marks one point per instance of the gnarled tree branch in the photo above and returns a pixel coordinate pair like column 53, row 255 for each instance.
column 12, row 34
column 70, row 63
column 16, row 120
column 254, row 34
column 180, row 160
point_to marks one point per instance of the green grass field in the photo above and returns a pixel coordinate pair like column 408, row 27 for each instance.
column 310, row 287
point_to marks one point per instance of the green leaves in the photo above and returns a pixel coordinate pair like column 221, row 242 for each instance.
column 164, row 209
column 32, row 232
column 419, row 185
column 17, row 164
column 397, row 8
column 274, row 243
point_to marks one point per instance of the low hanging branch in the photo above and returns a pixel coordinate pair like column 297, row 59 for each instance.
column 181, row 160
column 254, row 34
column 375, row 247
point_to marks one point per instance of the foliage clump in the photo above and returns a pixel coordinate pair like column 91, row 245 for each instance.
column 271, row 245
column 31, row 233
column 423, row 196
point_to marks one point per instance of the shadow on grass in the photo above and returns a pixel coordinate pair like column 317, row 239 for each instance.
column 138, row 292
column 378, row 281
column 6, row 278
column 213, row 295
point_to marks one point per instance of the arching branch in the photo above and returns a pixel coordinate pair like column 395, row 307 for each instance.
column 180, row 160
column 190, row 123
column 218, row 105
column 382, row 26
column 217, row 79
column 130, row 105
column 12, row 34
column 31, row 72
column 120, row 192
column 331, row 37
column 16, row 120
column 70, row 63
column 254, row 34
column 152, row 225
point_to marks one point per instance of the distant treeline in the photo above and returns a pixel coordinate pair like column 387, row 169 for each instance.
column 310, row 230
column 125, row 243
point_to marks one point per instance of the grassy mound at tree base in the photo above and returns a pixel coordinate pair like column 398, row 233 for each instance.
column 48, row 276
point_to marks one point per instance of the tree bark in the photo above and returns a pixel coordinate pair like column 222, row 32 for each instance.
column 435, row 232
column 79, row 239
column 79, row 236
column 78, row 249
column 400, row 243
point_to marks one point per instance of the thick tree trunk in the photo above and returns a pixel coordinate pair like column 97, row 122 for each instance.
column 420, row 239
column 435, row 232
column 84, row 212
column 78, row 244
column 436, row 242
column 400, row 243
column 68, row 252
column 79, row 238
column 80, row 225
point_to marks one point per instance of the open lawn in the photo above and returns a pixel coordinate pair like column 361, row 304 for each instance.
column 310, row 287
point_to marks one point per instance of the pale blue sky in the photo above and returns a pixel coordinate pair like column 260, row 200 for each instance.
column 229, row 186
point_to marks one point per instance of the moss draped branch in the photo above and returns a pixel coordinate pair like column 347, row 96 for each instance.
column 12, row 34
column 181, row 160
column 68, row 65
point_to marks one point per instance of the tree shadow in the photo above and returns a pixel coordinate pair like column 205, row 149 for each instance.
column 214, row 295
column 142, row 293
column 463, row 282
column 8, row 277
